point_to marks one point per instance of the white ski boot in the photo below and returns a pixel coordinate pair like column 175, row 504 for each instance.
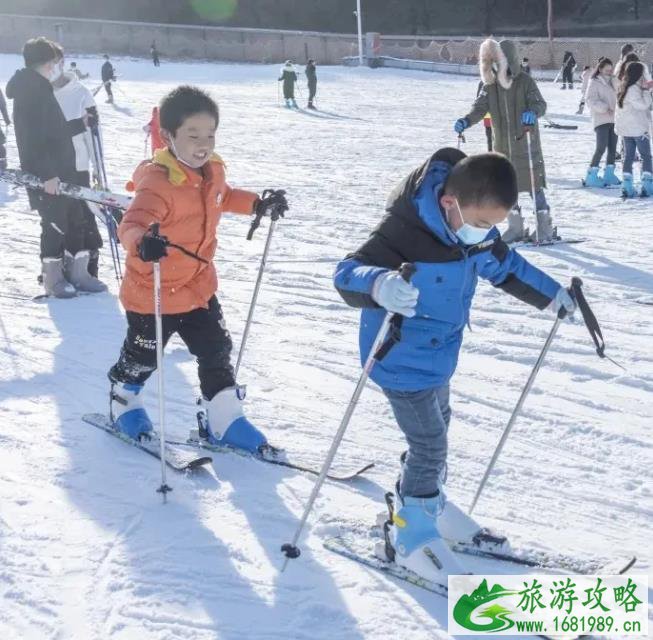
column 77, row 273
column 412, row 540
column 54, row 282
column 515, row 231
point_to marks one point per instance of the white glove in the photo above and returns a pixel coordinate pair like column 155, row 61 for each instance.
column 563, row 299
column 394, row 294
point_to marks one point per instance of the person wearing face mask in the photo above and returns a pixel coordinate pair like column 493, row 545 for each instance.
column 184, row 189
column 45, row 149
column 601, row 98
column 442, row 218
column 633, row 123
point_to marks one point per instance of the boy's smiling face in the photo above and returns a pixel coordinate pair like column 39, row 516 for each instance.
column 194, row 141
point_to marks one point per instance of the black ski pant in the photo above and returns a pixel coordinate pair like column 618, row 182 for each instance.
column 62, row 225
column 312, row 90
column 107, row 88
column 203, row 331
column 606, row 138
column 488, row 135
column 568, row 76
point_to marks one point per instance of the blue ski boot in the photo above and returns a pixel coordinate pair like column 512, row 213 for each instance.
column 226, row 425
column 627, row 187
column 127, row 412
column 415, row 543
column 609, row 177
column 647, row 185
column 592, row 178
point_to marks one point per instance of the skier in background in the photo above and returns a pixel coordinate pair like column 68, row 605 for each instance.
column 289, row 77
column 153, row 130
column 568, row 66
column 633, row 122
column 526, row 66
column 311, row 78
column 108, row 76
column 585, row 78
column 77, row 104
column 625, row 50
column 487, row 119
column 78, row 74
column 601, row 98
column 442, row 219
column 3, row 138
column 45, row 149
column 155, row 54
column 515, row 103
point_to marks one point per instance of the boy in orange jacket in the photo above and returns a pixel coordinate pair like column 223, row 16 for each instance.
column 183, row 188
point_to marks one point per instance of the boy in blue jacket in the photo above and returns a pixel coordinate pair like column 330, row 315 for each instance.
column 442, row 219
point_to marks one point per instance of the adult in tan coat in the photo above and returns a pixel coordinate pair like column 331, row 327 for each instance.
column 515, row 104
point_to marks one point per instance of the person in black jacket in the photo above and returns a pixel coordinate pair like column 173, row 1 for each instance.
column 108, row 75
column 45, row 149
column 3, row 139
column 311, row 77
column 568, row 66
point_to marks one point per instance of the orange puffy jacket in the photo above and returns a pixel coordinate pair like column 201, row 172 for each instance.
column 188, row 208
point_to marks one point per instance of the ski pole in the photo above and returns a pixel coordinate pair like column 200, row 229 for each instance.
column 164, row 488
column 378, row 352
column 525, row 391
column 274, row 216
column 461, row 139
column 532, row 173
column 147, row 139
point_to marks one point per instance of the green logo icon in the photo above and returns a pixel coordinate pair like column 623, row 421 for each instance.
column 472, row 604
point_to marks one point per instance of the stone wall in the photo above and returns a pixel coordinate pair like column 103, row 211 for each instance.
column 538, row 50
column 177, row 41
column 263, row 45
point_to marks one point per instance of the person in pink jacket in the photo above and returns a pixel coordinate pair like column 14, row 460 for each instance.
column 601, row 98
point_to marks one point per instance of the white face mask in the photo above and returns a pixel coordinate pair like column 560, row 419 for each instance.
column 468, row 234
column 174, row 150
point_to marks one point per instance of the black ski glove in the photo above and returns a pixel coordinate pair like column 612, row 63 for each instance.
column 273, row 201
column 152, row 247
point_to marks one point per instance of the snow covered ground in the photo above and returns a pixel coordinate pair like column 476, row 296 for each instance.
column 87, row 550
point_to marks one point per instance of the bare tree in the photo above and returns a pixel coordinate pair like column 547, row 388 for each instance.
column 549, row 29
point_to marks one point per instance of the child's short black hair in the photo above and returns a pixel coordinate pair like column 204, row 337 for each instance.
column 487, row 179
column 183, row 102
column 38, row 51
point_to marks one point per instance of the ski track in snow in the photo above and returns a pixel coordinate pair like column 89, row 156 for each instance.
column 87, row 550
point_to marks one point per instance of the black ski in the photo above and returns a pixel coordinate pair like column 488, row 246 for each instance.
column 525, row 244
column 175, row 457
column 273, row 455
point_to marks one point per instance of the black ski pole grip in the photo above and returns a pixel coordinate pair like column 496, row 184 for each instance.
column 407, row 270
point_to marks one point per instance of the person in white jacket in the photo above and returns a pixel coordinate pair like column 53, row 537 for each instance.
column 633, row 122
column 585, row 79
column 601, row 99
column 78, row 105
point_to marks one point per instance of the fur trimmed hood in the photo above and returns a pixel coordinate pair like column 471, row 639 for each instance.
column 499, row 61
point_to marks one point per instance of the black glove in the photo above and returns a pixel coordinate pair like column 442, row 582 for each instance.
column 152, row 247
column 272, row 201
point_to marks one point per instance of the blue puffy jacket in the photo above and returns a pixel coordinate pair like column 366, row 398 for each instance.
column 414, row 230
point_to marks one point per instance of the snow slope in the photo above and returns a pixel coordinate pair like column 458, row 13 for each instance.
column 87, row 550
